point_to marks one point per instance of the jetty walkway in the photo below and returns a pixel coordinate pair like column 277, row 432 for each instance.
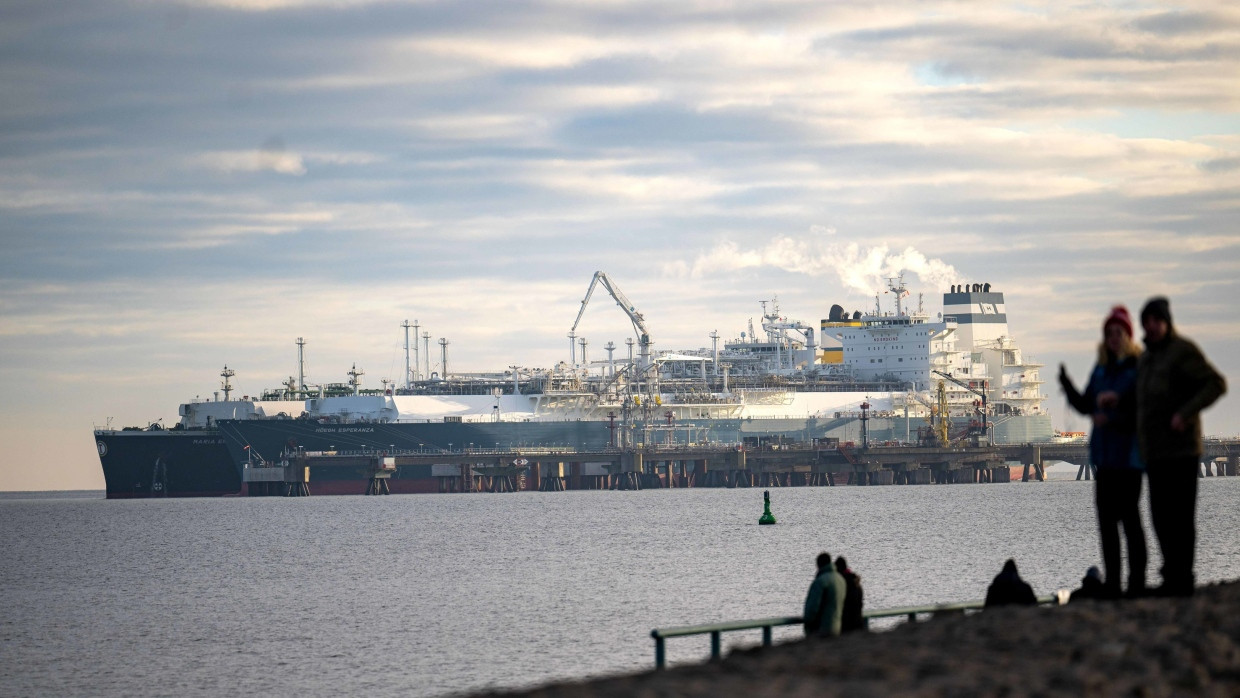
column 817, row 463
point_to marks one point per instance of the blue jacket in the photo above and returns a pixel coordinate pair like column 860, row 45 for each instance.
column 1112, row 445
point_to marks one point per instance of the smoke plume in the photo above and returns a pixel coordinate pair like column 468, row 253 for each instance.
column 859, row 268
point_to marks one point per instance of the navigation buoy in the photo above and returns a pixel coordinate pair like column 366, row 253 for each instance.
column 767, row 518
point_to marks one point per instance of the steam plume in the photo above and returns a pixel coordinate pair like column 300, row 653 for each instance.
column 862, row 269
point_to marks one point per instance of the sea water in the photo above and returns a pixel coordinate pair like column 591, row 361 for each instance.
column 429, row 595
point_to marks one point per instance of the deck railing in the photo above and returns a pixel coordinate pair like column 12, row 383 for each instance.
column 716, row 630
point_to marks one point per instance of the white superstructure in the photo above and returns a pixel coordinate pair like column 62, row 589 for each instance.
column 894, row 361
column 969, row 341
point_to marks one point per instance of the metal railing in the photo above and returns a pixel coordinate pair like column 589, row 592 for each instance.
column 716, row 630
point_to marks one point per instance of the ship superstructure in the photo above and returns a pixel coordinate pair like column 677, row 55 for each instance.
column 969, row 342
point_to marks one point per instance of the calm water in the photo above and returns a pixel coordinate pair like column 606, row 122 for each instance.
column 428, row 595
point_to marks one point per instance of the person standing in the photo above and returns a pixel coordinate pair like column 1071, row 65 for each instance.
column 853, row 598
column 824, row 602
column 1175, row 383
column 1110, row 400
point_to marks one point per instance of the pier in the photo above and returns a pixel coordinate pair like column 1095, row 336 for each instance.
column 823, row 463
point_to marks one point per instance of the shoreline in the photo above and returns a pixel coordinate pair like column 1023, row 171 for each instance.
column 1147, row 647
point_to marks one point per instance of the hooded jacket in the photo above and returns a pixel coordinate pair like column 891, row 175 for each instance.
column 1008, row 589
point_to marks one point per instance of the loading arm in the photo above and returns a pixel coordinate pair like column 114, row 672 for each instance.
column 639, row 322
column 980, row 393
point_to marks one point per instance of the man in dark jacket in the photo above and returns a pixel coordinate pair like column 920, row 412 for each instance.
column 824, row 602
column 1174, row 383
column 853, row 598
column 1009, row 589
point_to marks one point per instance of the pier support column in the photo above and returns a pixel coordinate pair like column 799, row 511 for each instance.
column 378, row 485
column 552, row 479
column 1032, row 458
column 297, row 478
column 631, row 470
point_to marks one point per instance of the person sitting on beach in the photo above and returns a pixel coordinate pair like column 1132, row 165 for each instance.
column 853, row 598
column 1091, row 587
column 1009, row 589
column 824, row 602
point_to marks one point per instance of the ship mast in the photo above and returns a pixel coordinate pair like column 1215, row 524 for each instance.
column 226, row 374
column 354, row 375
column 896, row 285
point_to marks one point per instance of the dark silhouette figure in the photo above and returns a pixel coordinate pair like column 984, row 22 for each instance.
column 854, row 598
column 824, row 602
column 1009, row 589
column 1110, row 401
column 1175, row 383
column 1091, row 587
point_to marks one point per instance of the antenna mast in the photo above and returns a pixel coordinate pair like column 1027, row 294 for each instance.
column 896, row 285
column 225, row 384
column 354, row 374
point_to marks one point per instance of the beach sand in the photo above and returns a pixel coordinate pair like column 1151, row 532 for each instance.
column 1145, row 647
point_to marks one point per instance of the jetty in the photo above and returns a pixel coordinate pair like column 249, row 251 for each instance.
column 823, row 462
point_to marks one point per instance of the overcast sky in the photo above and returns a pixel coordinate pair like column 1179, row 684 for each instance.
column 185, row 185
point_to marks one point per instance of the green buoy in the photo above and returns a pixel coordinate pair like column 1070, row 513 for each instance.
column 767, row 518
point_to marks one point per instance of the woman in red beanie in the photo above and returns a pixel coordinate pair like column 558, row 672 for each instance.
column 1110, row 400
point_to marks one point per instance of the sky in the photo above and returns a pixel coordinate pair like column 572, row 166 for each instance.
column 190, row 184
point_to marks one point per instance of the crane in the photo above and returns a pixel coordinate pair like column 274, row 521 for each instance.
column 985, row 429
column 639, row 322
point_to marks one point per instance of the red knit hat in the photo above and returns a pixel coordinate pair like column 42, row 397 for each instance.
column 1119, row 314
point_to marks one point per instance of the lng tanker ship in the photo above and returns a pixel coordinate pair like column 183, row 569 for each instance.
column 795, row 382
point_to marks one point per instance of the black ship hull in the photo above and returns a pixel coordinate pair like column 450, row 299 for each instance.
column 190, row 463
column 212, row 462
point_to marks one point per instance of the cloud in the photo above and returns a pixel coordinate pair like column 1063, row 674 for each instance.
column 171, row 176
column 271, row 157
column 269, row 5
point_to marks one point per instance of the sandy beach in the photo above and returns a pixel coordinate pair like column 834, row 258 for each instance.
column 1147, row 647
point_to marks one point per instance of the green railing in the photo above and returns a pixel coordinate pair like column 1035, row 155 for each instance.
column 716, row 630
